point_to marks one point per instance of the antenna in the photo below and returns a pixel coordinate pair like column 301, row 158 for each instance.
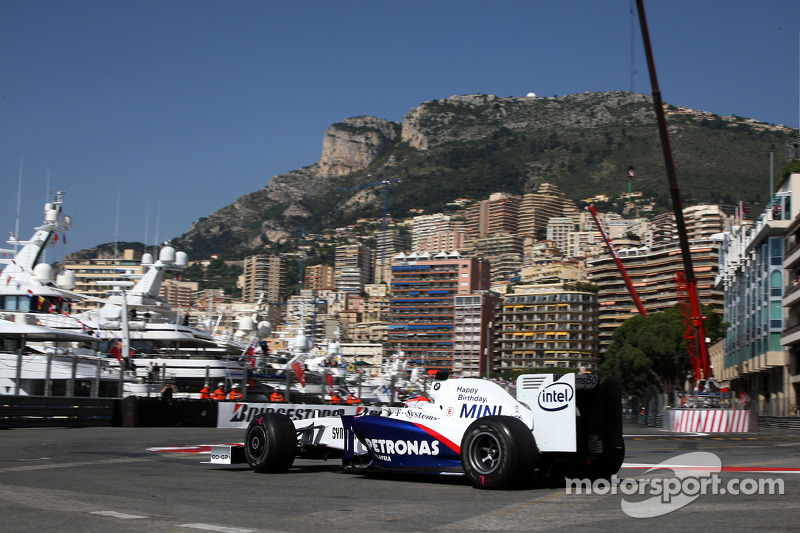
column 19, row 200
column 116, row 227
column 158, row 222
column 146, row 225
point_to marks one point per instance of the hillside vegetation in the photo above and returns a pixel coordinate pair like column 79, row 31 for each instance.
column 471, row 146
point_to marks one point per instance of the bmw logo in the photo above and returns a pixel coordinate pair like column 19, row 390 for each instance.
column 437, row 386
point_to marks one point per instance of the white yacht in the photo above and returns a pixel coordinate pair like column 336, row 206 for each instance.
column 135, row 319
column 37, row 357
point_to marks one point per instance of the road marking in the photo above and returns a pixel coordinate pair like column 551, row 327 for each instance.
column 72, row 465
column 121, row 516
column 200, row 448
column 747, row 469
column 223, row 529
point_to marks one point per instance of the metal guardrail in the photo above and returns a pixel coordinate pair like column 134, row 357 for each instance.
column 56, row 411
column 779, row 422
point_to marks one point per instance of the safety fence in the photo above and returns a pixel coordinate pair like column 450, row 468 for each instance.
column 55, row 411
column 60, row 411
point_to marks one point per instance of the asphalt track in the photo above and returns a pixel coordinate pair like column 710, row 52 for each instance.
column 105, row 479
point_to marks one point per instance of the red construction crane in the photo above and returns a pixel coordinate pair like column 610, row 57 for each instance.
column 613, row 252
column 695, row 332
column 693, row 327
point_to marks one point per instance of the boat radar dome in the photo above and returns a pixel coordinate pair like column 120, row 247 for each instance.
column 66, row 221
column 264, row 329
column 300, row 342
column 181, row 259
column 147, row 259
column 43, row 272
column 51, row 215
column 66, row 279
column 167, row 254
column 246, row 323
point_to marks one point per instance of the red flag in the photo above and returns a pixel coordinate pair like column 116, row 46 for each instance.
column 55, row 238
column 250, row 353
column 299, row 372
column 116, row 352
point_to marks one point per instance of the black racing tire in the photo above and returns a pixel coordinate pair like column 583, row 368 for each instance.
column 270, row 443
column 498, row 452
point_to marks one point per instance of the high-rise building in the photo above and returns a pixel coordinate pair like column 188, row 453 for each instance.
column 436, row 233
column 497, row 215
column 473, row 333
column 319, row 277
column 179, row 294
column 558, row 231
column 701, row 221
column 548, row 326
column 388, row 245
column 353, row 267
column 652, row 272
column 264, row 274
column 537, row 208
column 502, row 251
column 422, row 306
column 759, row 276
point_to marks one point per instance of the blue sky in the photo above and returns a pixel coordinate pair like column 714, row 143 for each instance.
column 177, row 108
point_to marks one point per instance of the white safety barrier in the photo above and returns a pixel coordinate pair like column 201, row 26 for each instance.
column 712, row 421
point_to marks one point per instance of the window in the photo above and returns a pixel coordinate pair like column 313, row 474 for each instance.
column 776, row 250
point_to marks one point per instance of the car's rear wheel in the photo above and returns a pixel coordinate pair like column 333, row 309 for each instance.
column 270, row 443
column 497, row 452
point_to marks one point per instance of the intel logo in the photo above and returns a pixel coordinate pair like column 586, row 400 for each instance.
column 556, row 396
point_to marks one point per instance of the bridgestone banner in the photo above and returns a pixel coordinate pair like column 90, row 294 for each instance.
column 239, row 415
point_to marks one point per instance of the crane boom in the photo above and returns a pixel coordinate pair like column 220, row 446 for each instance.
column 615, row 256
column 698, row 334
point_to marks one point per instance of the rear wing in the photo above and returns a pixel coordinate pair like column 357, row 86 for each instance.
column 551, row 398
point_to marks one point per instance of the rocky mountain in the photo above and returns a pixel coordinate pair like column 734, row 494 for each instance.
column 470, row 146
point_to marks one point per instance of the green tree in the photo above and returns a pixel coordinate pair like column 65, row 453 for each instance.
column 651, row 349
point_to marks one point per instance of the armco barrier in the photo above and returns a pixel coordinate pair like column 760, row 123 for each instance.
column 175, row 412
column 59, row 411
column 779, row 422
column 56, row 411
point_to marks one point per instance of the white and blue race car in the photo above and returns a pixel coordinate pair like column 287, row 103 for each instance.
column 557, row 425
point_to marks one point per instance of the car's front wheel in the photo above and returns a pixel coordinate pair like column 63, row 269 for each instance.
column 497, row 452
column 270, row 443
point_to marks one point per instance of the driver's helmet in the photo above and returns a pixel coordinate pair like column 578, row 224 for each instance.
column 417, row 402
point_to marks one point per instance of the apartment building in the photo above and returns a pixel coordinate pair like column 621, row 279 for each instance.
column 264, row 274
column 758, row 270
column 652, row 272
column 319, row 277
column 353, row 267
column 537, row 208
column 497, row 215
column 548, row 327
column 422, row 307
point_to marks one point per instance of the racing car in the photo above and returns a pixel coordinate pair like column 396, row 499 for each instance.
column 556, row 426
